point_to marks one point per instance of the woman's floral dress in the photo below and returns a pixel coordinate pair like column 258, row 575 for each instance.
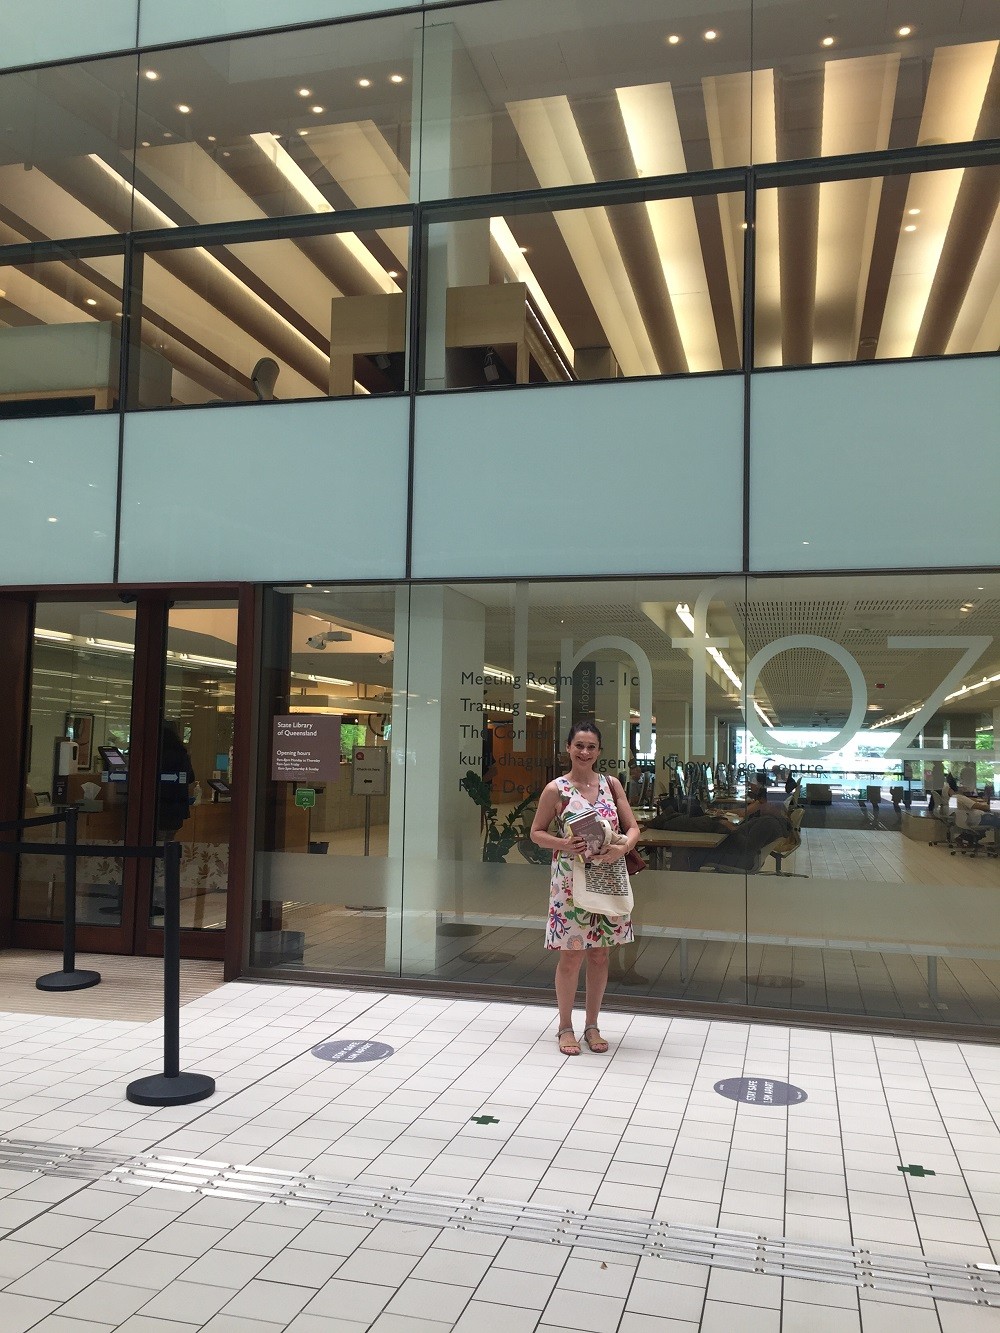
column 570, row 927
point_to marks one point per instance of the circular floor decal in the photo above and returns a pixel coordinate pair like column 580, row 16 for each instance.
column 351, row 1052
column 760, row 1091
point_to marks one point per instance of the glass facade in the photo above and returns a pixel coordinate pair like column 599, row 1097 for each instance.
column 781, row 228
column 801, row 754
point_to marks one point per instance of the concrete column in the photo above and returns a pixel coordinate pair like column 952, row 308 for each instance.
column 453, row 160
column 444, row 637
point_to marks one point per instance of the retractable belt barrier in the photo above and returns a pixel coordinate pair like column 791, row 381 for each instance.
column 172, row 1087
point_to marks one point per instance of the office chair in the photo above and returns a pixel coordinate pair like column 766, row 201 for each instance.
column 263, row 377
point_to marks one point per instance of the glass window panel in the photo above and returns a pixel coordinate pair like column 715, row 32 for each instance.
column 65, row 153
column 867, row 78
column 81, row 699
column 519, row 95
column 327, row 862
column 194, row 797
column 313, row 121
column 876, row 268
column 883, row 696
column 646, row 288
column 60, row 335
column 302, row 317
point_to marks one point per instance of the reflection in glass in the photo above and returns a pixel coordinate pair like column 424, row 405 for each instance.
column 304, row 317
column 60, row 336
column 326, row 882
column 194, row 792
column 650, row 288
column 65, row 151
column 81, row 700
column 880, row 267
column 313, row 121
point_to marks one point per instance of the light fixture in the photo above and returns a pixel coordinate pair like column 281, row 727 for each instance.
column 393, row 273
column 710, row 35
column 523, row 249
column 211, row 138
column 317, row 110
column 827, row 41
column 305, row 92
column 53, row 520
column 90, row 301
column 395, row 78
column 167, row 134
column 303, row 133
column 904, row 31
column 183, row 108
column 673, row 39
column 151, row 74
column 364, row 83
column 913, row 212
column 910, row 226
column 145, row 143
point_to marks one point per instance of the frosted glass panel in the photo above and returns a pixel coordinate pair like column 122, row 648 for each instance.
column 266, row 492
column 58, row 480
column 180, row 20
column 39, row 30
column 875, row 466
column 595, row 479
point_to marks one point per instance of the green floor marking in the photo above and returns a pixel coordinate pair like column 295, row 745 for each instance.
column 483, row 1120
column 912, row 1170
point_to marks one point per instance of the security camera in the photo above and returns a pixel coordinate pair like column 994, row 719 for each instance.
column 317, row 642
column 385, row 658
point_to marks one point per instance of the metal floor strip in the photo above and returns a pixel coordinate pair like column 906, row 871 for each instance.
column 969, row 1284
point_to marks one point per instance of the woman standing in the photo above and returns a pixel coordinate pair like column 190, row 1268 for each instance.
column 575, row 933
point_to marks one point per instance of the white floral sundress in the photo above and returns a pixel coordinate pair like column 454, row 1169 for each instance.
column 570, row 927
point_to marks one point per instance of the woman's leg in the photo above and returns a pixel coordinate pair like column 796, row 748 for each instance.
column 567, row 978
column 597, row 979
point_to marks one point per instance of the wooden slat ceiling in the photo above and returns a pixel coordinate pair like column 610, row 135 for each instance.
column 852, row 270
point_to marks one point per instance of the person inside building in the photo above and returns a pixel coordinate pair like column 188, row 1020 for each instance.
column 175, row 786
column 577, row 934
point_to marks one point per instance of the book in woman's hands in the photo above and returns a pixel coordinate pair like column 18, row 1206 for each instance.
column 587, row 824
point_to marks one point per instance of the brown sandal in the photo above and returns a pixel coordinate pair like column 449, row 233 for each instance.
column 597, row 1044
column 570, row 1046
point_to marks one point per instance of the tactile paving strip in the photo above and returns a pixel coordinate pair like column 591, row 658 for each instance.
column 969, row 1284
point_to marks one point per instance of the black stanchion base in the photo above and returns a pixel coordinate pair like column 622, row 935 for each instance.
column 68, row 980
column 159, row 1090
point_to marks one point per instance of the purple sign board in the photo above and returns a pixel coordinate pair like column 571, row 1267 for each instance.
column 351, row 1052
column 305, row 747
column 760, row 1091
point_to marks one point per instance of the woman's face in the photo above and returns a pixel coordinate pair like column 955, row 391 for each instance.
column 584, row 748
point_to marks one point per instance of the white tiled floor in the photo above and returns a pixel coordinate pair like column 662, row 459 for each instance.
column 639, row 1132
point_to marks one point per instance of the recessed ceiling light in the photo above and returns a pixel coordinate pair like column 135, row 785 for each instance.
column 52, row 519
column 710, row 35
column 303, row 133
column 827, row 41
column 226, row 153
column 183, row 108
column 91, row 301
column 805, row 543
column 167, row 134
column 913, row 212
column 364, row 83
column 904, row 31
column 211, row 138
column 393, row 273
column 673, row 39
column 145, row 143
column 979, row 588
column 910, row 226
column 317, row 110
column 523, row 249
column 395, row 78
column 151, row 74
column 305, row 92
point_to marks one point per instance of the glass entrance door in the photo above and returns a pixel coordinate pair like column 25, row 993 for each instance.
column 131, row 720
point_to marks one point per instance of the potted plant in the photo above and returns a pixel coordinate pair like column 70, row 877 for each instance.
column 499, row 838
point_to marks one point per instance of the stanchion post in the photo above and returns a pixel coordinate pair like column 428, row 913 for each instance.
column 172, row 1087
column 69, row 978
